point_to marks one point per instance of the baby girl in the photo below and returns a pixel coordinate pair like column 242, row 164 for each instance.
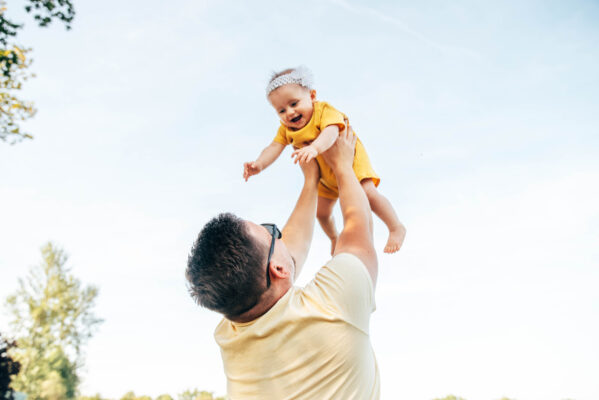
column 311, row 127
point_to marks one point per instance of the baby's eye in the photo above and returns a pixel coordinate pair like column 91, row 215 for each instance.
column 294, row 104
column 281, row 111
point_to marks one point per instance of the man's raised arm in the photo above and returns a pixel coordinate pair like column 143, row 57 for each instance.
column 297, row 233
column 356, row 236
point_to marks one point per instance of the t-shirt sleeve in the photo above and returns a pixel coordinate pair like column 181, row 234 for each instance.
column 281, row 137
column 346, row 288
column 330, row 116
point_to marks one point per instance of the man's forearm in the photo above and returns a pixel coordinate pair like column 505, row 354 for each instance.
column 356, row 236
column 353, row 201
column 297, row 233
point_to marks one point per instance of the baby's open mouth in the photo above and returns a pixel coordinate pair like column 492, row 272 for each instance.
column 296, row 119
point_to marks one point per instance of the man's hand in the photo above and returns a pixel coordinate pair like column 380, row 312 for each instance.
column 341, row 154
column 311, row 171
column 251, row 168
column 304, row 155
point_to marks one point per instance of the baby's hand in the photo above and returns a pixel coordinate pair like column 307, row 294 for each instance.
column 304, row 155
column 251, row 168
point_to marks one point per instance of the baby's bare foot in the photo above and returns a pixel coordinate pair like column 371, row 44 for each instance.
column 333, row 244
column 396, row 237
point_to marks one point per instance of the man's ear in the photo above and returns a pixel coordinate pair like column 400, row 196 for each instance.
column 278, row 271
column 313, row 95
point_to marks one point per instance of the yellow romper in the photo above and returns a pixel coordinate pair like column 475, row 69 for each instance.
column 324, row 115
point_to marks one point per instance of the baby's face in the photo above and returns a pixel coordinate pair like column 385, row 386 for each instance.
column 293, row 104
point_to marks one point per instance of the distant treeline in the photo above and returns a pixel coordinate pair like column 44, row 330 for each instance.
column 194, row 394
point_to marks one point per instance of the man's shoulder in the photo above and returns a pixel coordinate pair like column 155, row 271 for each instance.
column 343, row 286
column 347, row 261
column 344, row 273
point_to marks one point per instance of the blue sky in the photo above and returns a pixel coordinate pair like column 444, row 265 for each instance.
column 480, row 119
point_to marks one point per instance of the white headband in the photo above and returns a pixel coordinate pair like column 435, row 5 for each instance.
column 300, row 75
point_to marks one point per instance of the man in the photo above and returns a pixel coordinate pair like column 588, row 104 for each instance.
column 279, row 341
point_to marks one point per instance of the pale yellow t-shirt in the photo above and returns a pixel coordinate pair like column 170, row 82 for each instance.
column 312, row 344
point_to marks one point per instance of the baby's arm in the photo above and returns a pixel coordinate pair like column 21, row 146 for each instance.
column 267, row 157
column 322, row 143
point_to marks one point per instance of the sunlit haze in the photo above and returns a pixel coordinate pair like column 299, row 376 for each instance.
column 480, row 117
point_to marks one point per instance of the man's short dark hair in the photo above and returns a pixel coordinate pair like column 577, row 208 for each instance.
column 227, row 266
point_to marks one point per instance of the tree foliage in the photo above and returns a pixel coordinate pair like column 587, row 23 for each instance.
column 94, row 397
column 450, row 397
column 14, row 63
column 8, row 367
column 131, row 396
column 196, row 394
column 52, row 319
column 44, row 11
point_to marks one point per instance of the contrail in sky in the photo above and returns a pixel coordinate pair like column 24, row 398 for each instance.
column 361, row 10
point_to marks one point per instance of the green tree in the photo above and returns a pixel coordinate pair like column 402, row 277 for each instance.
column 131, row 396
column 198, row 395
column 8, row 367
column 14, row 63
column 94, row 397
column 128, row 396
column 52, row 319
column 165, row 397
column 450, row 397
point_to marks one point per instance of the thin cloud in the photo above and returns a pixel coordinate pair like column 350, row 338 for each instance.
column 362, row 10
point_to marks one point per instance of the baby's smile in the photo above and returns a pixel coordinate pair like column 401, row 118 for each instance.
column 296, row 119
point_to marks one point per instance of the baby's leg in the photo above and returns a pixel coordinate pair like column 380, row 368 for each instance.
column 324, row 214
column 384, row 210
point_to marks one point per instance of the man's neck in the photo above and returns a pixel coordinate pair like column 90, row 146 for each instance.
column 267, row 301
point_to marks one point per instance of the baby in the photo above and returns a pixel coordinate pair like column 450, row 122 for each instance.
column 311, row 127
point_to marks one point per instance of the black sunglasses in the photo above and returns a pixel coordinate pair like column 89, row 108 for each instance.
column 274, row 231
